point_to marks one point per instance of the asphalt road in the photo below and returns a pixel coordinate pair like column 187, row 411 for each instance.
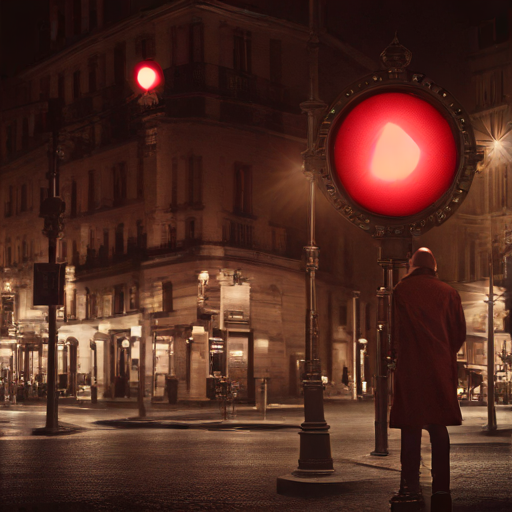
column 105, row 469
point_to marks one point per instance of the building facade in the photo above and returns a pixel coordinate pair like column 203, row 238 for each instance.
column 185, row 216
column 477, row 241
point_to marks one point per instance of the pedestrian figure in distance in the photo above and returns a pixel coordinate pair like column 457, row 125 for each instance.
column 428, row 330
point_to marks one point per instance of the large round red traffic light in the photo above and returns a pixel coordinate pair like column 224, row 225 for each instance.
column 395, row 154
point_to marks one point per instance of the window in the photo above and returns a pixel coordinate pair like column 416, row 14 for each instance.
column 23, row 198
column 93, row 66
column 24, row 133
column 167, row 305
column 44, row 88
column 343, row 315
column 190, row 229
column 76, row 85
column 140, row 179
column 8, row 254
column 61, row 87
column 242, row 60
column 194, row 194
column 119, row 243
column 275, row 61
column 119, row 64
column 119, row 299
column 77, row 17
column 24, row 250
column 174, row 184
column 134, row 297
column 146, row 47
column 119, row 183
column 10, row 139
column 93, row 14
column 91, row 196
column 9, row 204
column 73, row 207
column 196, row 43
column 243, row 189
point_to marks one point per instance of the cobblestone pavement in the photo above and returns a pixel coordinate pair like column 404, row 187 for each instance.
column 107, row 469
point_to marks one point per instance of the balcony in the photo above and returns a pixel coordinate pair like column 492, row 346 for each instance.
column 228, row 83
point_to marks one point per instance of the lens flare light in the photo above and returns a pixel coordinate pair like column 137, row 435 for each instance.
column 395, row 154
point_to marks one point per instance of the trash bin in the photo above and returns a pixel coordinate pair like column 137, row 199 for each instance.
column 171, row 385
column 94, row 394
column 210, row 388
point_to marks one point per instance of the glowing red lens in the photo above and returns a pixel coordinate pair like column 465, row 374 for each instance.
column 395, row 154
column 148, row 74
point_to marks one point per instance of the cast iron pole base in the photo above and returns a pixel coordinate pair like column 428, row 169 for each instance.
column 315, row 476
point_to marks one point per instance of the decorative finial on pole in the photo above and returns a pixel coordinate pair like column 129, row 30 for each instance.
column 396, row 57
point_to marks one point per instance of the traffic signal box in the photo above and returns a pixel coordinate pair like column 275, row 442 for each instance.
column 49, row 279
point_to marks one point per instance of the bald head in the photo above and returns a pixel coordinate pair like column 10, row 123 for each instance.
column 423, row 258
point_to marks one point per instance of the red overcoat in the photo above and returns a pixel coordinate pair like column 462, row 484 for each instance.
column 428, row 330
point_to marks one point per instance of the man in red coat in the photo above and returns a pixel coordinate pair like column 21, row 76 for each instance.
column 428, row 330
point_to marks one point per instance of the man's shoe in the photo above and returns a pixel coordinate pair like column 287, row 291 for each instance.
column 441, row 502
column 407, row 501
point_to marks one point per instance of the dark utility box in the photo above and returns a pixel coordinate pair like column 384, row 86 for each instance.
column 49, row 279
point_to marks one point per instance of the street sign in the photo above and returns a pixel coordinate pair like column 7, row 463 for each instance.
column 396, row 153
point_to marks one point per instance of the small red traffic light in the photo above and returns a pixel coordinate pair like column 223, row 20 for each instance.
column 395, row 154
column 148, row 75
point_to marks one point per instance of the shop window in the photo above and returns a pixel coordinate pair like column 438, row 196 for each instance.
column 119, row 299
column 242, row 58
column 167, row 297
column 243, row 189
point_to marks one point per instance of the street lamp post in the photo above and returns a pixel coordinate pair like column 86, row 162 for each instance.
column 491, row 409
column 52, row 209
column 315, row 472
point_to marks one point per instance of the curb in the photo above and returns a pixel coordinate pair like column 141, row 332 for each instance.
column 200, row 425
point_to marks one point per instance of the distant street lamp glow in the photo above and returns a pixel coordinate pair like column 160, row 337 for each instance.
column 396, row 154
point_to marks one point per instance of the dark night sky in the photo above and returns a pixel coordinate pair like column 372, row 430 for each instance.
column 438, row 32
